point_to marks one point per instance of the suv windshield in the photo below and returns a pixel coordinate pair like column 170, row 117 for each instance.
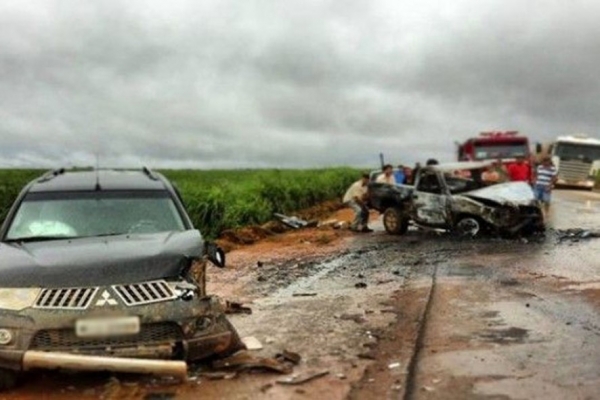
column 49, row 215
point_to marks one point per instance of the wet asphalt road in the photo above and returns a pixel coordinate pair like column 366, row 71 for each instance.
column 423, row 316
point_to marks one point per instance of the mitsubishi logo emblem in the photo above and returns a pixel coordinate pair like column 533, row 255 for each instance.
column 106, row 300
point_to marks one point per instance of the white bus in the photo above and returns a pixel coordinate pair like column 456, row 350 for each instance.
column 577, row 159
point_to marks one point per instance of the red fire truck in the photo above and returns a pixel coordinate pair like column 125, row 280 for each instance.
column 505, row 146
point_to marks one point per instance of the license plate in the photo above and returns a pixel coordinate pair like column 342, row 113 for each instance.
column 104, row 327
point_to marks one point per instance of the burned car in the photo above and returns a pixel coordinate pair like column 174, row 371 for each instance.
column 452, row 197
column 103, row 270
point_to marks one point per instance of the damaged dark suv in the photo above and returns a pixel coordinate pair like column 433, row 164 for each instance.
column 103, row 270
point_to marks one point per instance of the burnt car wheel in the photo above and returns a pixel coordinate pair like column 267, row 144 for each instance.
column 394, row 221
column 469, row 225
column 8, row 379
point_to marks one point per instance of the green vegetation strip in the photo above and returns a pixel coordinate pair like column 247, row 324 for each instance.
column 223, row 199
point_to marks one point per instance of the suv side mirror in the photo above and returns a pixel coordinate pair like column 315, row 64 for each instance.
column 215, row 255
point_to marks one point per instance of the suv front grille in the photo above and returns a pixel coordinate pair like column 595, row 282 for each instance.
column 67, row 340
column 66, row 298
column 136, row 294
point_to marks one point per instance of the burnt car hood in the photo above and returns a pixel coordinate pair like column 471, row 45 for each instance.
column 98, row 261
column 514, row 193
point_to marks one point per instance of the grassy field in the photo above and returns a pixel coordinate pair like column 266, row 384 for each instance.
column 222, row 199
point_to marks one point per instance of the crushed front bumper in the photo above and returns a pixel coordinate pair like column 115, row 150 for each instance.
column 170, row 332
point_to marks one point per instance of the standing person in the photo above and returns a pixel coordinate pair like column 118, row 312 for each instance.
column 519, row 171
column 408, row 176
column 490, row 176
column 355, row 198
column 501, row 170
column 415, row 173
column 399, row 175
column 387, row 176
column 545, row 179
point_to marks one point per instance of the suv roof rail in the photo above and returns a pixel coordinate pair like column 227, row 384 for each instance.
column 53, row 173
column 149, row 173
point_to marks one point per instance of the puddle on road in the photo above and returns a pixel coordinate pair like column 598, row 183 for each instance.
column 505, row 336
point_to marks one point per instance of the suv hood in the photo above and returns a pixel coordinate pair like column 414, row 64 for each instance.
column 98, row 261
column 517, row 193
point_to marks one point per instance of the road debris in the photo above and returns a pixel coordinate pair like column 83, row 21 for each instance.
column 360, row 285
column 232, row 307
column 252, row 343
column 217, row 375
column 243, row 360
column 394, row 365
column 302, row 378
column 358, row 318
column 290, row 356
column 304, row 294
column 264, row 388
column 576, row 234
column 295, row 222
column 370, row 355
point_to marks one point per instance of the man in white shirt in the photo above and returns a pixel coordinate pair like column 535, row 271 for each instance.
column 387, row 176
column 355, row 198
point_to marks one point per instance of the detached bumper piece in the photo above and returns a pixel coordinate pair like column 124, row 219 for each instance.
column 49, row 360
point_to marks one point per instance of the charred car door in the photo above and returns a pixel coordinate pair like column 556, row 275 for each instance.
column 430, row 200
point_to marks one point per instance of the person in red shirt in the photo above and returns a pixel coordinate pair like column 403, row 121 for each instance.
column 519, row 171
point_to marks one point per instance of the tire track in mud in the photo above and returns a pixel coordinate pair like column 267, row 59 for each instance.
column 409, row 392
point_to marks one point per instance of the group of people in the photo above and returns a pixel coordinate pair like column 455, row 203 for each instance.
column 542, row 180
column 357, row 195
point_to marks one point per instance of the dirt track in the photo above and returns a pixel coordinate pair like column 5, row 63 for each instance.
column 439, row 318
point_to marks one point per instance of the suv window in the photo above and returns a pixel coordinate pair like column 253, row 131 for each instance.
column 100, row 213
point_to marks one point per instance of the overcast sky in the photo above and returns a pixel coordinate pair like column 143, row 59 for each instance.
column 288, row 83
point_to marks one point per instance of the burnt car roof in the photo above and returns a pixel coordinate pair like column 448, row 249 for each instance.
column 460, row 165
column 104, row 179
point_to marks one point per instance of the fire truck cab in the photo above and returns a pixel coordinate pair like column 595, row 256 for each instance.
column 504, row 146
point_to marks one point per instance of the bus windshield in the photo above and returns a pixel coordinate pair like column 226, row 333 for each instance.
column 586, row 152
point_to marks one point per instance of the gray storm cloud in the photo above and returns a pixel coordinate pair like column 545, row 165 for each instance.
column 287, row 84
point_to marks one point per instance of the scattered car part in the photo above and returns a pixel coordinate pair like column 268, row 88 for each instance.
column 232, row 307
column 290, row 356
column 55, row 360
column 252, row 343
column 244, row 360
column 302, row 378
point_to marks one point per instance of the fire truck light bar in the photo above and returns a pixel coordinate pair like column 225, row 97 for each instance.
column 499, row 133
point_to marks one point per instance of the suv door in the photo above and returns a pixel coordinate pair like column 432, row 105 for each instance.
column 430, row 200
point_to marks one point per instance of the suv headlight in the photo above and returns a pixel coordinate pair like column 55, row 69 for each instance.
column 6, row 337
column 16, row 299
